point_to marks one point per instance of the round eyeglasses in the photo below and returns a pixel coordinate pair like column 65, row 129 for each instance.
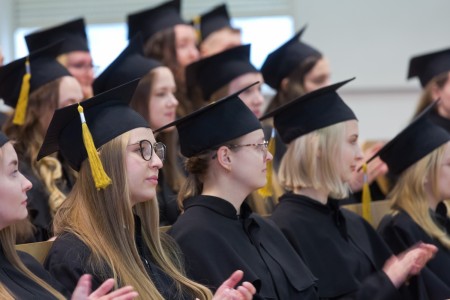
column 260, row 146
column 146, row 148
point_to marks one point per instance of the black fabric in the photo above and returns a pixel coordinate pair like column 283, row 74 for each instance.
column 3, row 139
column 213, row 20
column 280, row 63
column 107, row 116
column 20, row 285
column 340, row 248
column 69, row 258
column 43, row 68
column 167, row 202
column 150, row 21
column 401, row 232
column 130, row 64
column 436, row 118
column 216, row 241
column 414, row 142
column 429, row 65
column 73, row 33
column 318, row 109
column 214, row 124
column 215, row 71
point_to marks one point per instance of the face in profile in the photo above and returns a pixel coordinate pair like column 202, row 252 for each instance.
column 142, row 165
column 351, row 153
column 13, row 188
column 443, row 93
column 318, row 77
column 163, row 104
column 79, row 64
column 186, row 44
column 219, row 41
column 252, row 97
column 444, row 174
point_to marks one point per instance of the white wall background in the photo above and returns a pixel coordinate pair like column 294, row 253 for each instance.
column 372, row 40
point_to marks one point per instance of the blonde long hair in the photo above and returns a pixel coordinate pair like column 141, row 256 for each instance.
column 104, row 221
column 410, row 195
column 301, row 167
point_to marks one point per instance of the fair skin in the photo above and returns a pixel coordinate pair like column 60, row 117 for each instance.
column 244, row 169
column 252, row 97
column 443, row 179
column 163, row 104
column 70, row 92
column 13, row 195
column 79, row 64
column 443, row 94
column 142, row 177
column 186, row 44
column 318, row 77
column 219, row 41
column 397, row 268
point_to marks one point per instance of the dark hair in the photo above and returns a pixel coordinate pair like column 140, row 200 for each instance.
column 296, row 87
column 426, row 98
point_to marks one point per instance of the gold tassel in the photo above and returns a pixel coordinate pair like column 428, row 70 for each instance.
column 196, row 23
column 266, row 191
column 366, row 197
column 99, row 175
column 22, row 102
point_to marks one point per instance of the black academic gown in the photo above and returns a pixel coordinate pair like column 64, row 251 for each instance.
column 69, row 258
column 342, row 250
column 20, row 285
column 216, row 242
column 167, row 202
column 401, row 232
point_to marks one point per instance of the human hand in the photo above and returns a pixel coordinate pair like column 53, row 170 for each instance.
column 408, row 263
column 227, row 290
column 83, row 291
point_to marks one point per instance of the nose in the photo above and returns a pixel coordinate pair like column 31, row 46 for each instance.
column 155, row 161
column 359, row 154
column 194, row 53
column 26, row 184
column 173, row 101
column 259, row 98
column 269, row 156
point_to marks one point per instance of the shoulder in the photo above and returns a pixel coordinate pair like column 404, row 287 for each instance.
column 67, row 249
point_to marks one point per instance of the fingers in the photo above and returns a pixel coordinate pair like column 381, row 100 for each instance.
column 232, row 281
column 103, row 289
column 83, row 288
column 125, row 293
column 246, row 292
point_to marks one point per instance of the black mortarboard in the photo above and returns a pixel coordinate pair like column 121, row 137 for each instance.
column 213, row 72
column 73, row 33
column 129, row 65
column 414, row 142
column 107, row 116
column 286, row 58
column 429, row 65
column 23, row 76
column 150, row 21
column 312, row 111
column 214, row 124
column 3, row 139
column 213, row 20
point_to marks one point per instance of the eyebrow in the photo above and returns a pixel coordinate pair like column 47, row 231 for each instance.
column 14, row 162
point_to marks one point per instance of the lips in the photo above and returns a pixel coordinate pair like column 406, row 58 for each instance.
column 153, row 179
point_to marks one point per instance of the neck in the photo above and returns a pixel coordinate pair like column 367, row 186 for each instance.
column 223, row 191
column 433, row 203
column 318, row 195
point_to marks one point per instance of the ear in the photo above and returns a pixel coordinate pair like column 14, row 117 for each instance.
column 224, row 157
column 284, row 84
column 435, row 91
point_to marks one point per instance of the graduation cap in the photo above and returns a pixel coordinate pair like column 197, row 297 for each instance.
column 414, row 142
column 150, row 21
column 214, row 124
column 312, row 111
column 429, row 65
column 212, row 21
column 103, row 117
column 73, row 33
column 3, row 139
column 23, row 76
column 213, row 72
column 129, row 65
column 286, row 58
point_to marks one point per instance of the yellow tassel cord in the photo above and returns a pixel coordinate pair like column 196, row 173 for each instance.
column 196, row 22
column 366, row 197
column 22, row 102
column 267, row 190
column 99, row 175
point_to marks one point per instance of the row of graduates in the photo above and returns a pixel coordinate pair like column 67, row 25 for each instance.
column 218, row 65
column 108, row 225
